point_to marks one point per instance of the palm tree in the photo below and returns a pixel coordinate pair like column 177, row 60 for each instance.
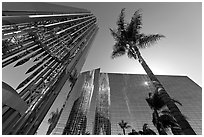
column 129, row 40
column 147, row 130
column 73, row 78
column 124, row 125
column 53, row 121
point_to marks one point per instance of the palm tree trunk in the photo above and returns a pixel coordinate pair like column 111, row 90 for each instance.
column 123, row 131
column 176, row 113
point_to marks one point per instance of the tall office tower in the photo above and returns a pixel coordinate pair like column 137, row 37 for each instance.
column 102, row 125
column 77, row 121
column 71, row 106
column 48, row 44
column 119, row 97
column 76, row 124
column 129, row 91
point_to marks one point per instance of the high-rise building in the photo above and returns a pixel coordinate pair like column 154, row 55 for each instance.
column 77, row 102
column 49, row 43
column 119, row 97
column 76, row 124
column 102, row 124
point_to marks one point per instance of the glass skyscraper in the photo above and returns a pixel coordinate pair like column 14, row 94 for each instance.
column 76, row 124
column 119, row 97
column 52, row 43
column 102, row 124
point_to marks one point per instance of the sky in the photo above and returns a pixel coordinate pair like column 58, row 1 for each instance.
column 180, row 53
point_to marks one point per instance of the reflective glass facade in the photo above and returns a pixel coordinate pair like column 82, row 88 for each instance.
column 102, row 124
column 50, row 46
column 77, row 121
column 119, row 97
column 128, row 93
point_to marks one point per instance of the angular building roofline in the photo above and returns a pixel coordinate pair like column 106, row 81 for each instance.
column 119, row 73
column 38, row 7
column 122, row 73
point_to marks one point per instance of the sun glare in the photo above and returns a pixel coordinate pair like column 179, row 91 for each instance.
column 146, row 83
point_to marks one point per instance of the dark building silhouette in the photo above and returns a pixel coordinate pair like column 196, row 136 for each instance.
column 55, row 40
column 119, row 97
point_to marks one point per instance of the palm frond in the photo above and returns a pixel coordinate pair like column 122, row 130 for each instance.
column 135, row 24
column 116, row 35
column 120, row 124
column 146, row 40
column 121, row 20
column 119, row 49
column 167, row 119
column 176, row 101
column 117, row 53
column 123, row 124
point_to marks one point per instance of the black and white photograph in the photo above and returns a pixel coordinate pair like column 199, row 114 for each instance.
column 101, row 68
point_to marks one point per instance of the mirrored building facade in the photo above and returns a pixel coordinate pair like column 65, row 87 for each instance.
column 49, row 44
column 119, row 97
column 77, row 121
column 102, row 124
